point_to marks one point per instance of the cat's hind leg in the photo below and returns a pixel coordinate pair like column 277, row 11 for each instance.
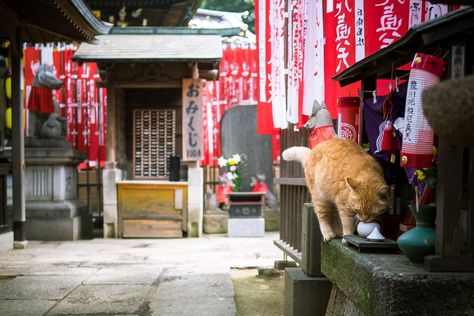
column 324, row 214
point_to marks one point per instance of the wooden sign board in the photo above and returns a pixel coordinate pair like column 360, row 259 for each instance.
column 192, row 119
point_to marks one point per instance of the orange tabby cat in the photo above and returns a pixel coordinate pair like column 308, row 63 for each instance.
column 343, row 180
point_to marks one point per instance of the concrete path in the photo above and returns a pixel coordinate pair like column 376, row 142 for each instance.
column 129, row 277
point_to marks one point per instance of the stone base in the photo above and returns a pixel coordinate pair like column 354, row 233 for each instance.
column 246, row 227
column 215, row 222
column 6, row 241
column 305, row 295
column 67, row 220
column 389, row 284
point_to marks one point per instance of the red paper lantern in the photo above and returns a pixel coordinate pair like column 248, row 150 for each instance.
column 348, row 118
column 418, row 137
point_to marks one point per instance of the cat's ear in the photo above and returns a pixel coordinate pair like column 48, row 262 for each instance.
column 352, row 183
column 384, row 193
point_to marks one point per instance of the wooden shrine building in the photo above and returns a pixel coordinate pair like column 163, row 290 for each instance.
column 144, row 70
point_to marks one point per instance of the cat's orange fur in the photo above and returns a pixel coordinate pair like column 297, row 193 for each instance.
column 343, row 180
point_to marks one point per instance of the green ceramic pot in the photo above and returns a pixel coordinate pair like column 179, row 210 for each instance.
column 419, row 241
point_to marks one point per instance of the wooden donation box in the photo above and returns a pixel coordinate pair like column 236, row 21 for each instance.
column 152, row 209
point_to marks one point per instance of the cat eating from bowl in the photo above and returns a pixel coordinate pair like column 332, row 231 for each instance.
column 343, row 181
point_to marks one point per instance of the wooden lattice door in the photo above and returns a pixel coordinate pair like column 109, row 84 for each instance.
column 153, row 142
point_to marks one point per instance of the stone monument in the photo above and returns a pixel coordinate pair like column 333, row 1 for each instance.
column 239, row 136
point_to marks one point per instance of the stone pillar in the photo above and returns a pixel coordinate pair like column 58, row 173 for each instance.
column 110, row 176
column 195, row 200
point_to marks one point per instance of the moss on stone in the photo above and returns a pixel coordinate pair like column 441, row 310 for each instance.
column 339, row 264
column 389, row 284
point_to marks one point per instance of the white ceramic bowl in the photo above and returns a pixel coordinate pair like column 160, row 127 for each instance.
column 364, row 229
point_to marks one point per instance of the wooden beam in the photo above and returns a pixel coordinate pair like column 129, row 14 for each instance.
column 288, row 250
column 448, row 264
column 290, row 181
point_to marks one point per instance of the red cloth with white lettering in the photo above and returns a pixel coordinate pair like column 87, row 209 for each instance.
column 41, row 100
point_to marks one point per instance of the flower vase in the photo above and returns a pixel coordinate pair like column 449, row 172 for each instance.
column 419, row 241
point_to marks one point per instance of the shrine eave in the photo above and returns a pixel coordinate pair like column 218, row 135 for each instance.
column 54, row 20
column 115, row 48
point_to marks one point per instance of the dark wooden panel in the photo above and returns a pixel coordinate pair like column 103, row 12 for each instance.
column 449, row 264
column 469, row 247
column 448, row 200
column 150, row 228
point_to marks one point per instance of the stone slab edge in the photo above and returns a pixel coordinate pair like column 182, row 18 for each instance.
column 389, row 284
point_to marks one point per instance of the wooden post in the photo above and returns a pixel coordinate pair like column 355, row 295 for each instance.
column 449, row 238
column 18, row 154
column 111, row 147
column 367, row 84
column 448, row 200
column 311, row 244
column 470, row 210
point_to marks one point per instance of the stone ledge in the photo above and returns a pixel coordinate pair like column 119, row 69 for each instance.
column 55, row 210
column 389, row 284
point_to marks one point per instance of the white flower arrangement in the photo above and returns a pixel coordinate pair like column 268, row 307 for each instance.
column 233, row 170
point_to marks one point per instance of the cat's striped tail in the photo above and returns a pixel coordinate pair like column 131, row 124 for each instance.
column 297, row 153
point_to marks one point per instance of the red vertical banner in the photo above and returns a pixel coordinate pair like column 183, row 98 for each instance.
column 224, row 69
column 79, row 100
column 264, row 106
column 339, row 50
column 70, row 78
column 253, row 75
column 206, row 121
column 216, row 112
column 387, row 21
column 277, row 62
column 102, row 124
column 93, row 105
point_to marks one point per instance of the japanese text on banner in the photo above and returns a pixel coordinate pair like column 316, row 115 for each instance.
column 192, row 119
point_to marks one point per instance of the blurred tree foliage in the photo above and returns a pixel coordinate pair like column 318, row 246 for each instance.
column 233, row 6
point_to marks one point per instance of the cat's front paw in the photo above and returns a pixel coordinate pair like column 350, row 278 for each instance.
column 328, row 236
